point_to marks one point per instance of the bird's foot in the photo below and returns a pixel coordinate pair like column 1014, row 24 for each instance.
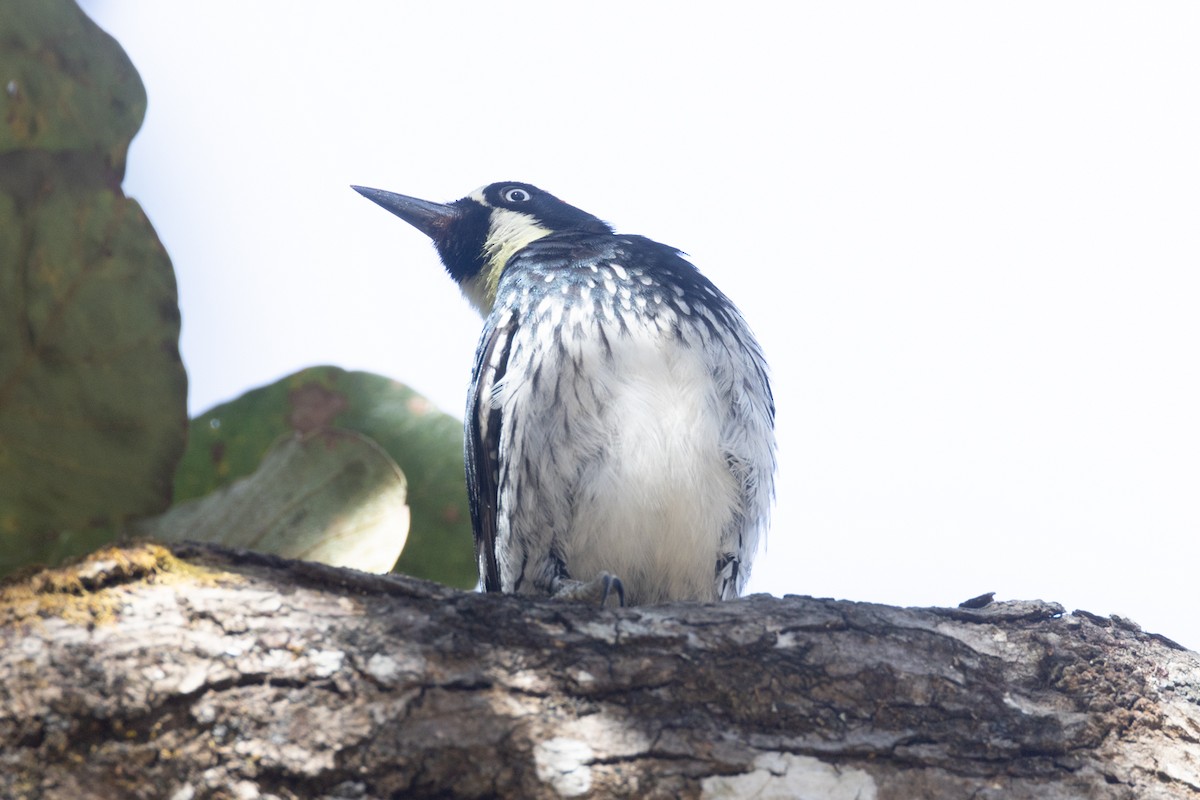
column 598, row 590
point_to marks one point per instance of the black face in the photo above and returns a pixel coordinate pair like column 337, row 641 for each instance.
column 460, row 242
column 460, row 229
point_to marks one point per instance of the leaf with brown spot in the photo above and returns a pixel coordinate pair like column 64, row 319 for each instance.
column 229, row 442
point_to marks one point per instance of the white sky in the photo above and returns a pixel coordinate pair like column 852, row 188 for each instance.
column 968, row 236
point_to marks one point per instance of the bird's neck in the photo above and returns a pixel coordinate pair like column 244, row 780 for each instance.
column 508, row 233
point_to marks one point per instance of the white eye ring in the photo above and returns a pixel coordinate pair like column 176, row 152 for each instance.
column 515, row 194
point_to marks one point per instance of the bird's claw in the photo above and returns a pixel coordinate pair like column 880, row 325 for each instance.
column 612, row 584
column 598, row 590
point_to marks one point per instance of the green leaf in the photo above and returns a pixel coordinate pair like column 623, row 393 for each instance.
column 92, row 390
column 230, row 440
column 67, row 86
column 332, row 496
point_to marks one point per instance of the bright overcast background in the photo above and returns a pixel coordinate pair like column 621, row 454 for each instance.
column 967, row 234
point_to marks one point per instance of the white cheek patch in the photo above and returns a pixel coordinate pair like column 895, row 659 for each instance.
column 509, row 232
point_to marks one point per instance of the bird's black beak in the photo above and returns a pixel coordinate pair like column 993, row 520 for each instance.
column 429, row 218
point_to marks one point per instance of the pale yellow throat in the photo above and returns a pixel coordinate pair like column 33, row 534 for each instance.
column 509, row 232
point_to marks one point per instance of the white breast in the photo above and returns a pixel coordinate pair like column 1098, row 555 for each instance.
column 619, row 459
column 653, row 512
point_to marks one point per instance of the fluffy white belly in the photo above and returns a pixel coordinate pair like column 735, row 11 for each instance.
column 651, row 507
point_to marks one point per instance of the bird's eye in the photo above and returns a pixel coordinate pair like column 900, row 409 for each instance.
column 515, row 194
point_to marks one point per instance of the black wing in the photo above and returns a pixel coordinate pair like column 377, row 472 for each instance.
column 483, row 444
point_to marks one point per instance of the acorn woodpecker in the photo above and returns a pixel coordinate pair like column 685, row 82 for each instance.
column 619, row 424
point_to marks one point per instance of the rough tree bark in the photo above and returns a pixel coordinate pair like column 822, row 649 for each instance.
column 196, row 672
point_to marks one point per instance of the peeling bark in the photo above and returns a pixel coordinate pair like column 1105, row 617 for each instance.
column 198, row 672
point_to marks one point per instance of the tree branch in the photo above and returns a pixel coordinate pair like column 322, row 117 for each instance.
column 198, row 672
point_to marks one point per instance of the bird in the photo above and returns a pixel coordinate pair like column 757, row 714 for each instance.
column 620, row 425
